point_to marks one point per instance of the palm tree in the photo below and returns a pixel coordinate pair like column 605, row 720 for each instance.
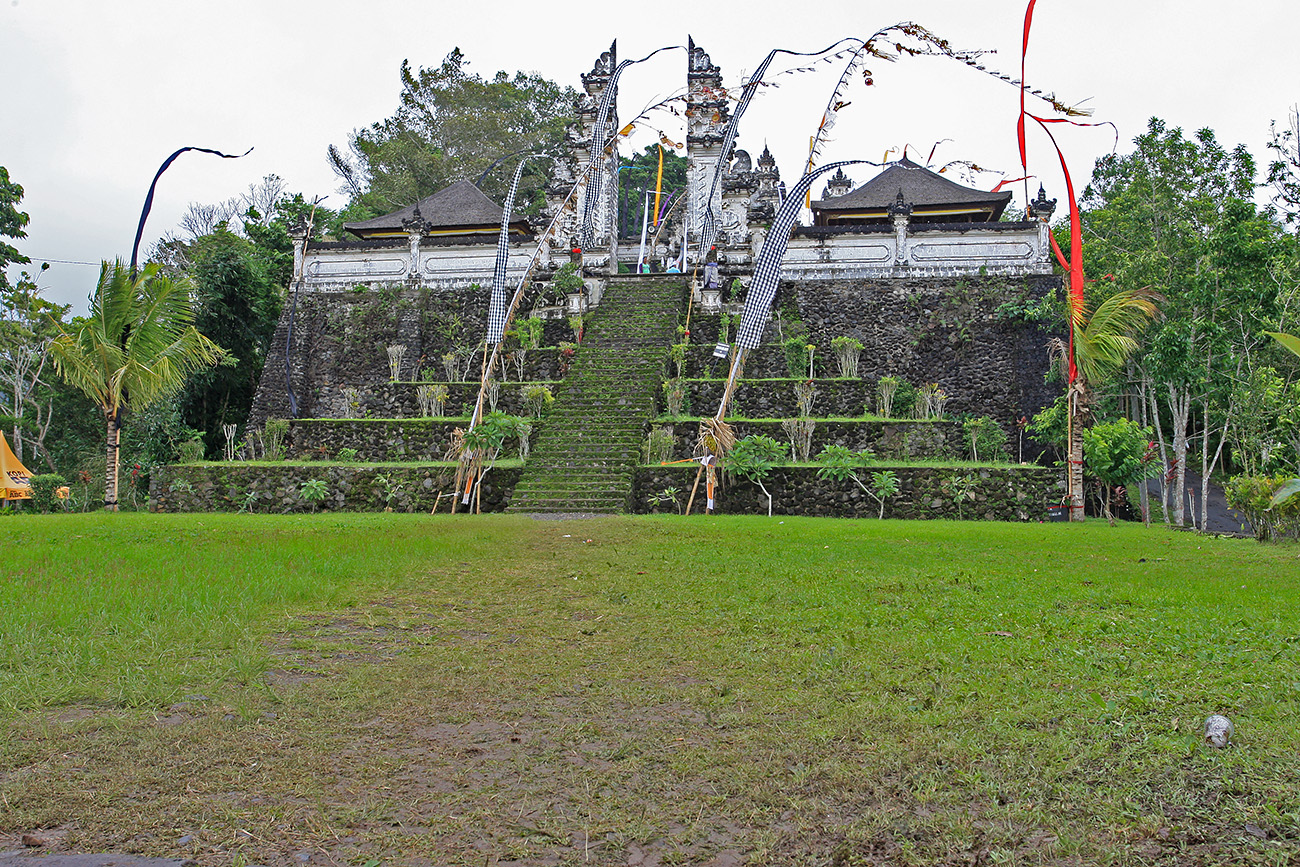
column 1103, row 342
column 137, row 345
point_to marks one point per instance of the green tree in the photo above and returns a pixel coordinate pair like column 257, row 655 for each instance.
column 1175, row 217
column 453, row 125
column 28, row 323
column 137, row 346
column 237, row 299
column 638, row 173
column 1119, row 453
column 1284, row 168
column 12, row 225
column 753, row 459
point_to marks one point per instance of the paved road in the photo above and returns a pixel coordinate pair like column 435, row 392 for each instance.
column 1219, row 518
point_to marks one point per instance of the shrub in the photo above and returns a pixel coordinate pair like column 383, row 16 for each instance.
column 432, row 399
column 798, row 356
column 986, row 438
column 676, row 398
column 45, row 497
column 536, row 399
column 847, row 352
column 347, row 455
column 677, row 355
column 190, row 451
column 753, row 459
column 1253, row 496
column 274, row 435
column 659, row 445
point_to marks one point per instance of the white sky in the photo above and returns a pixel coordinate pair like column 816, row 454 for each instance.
column 96, row 93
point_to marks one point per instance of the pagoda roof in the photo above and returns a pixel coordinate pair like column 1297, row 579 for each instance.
column 461, row 208
column 921, row 188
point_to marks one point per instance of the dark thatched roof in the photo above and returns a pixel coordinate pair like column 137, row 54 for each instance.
column 924, row 190
column 459, row 206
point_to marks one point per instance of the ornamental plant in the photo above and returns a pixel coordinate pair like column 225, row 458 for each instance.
column 840, row 463
column 753, row 459
column 847, row 352
column 1119, row 453
column 313, row 491
column 798, row 356
column 986, row 438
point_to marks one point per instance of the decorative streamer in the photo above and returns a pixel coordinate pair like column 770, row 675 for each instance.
column 497, row 301
column 148, row 200
column 709, row 231
column 596, row 185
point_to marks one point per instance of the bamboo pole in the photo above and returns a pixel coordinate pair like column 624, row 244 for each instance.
column 694, row 488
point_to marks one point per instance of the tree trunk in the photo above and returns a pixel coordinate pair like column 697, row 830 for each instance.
column 1144, row 502
column 1164, row 455
column 110, row 465
column 1180, row 406
column 1078, row 406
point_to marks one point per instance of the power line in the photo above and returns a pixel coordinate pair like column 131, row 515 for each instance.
column 63, row 261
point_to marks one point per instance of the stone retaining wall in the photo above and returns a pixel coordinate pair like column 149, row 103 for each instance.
column 937, row 440
column 278, row 488
column 998, row 493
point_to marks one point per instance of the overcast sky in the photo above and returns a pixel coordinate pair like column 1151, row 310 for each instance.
column 98, row 92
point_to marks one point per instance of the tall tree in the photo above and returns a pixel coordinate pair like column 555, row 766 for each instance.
column 640, row 172
column 1174, row 216
column 137, row 346
column 28, row 323
column 453, row 125
column 12, row 225
column 237, row 299
column 1284, row 168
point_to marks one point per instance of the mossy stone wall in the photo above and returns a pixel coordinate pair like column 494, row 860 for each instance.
column 999, row 493
column 278, row 488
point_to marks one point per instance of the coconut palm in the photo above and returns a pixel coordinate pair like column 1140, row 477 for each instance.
column 1103, row 341
column 138, row 345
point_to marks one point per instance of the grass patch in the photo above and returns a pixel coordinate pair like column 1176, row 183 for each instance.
column 415, row 689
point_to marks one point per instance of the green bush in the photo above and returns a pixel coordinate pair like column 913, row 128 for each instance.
column 986, row 439
column 190, row 451
column 44, row 488
column 798, row 355
column 1253, row 497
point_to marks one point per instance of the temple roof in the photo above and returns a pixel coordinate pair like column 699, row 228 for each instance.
column 461, row 206
column 926, row 191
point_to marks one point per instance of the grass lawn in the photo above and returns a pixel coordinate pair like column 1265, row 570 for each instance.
column 399, row 689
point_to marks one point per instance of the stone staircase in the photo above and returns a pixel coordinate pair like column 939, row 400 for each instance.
column 584, row 457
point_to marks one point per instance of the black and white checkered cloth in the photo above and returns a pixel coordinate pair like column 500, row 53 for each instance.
column 767, row 268
column 498, row 309
column 709, row 230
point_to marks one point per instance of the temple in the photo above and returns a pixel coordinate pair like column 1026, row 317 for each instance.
column 907, row 221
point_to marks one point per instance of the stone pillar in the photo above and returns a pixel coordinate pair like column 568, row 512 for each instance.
column 900, row 211
column 299, row 235
column 1040, row 209
column 707, row 113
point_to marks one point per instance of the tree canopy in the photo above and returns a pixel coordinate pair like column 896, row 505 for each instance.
column 452, row 124
column 12, row 224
